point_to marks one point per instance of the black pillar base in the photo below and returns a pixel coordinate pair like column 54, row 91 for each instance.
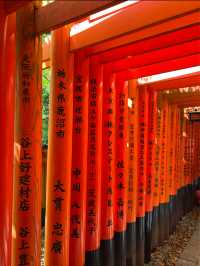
column 172, row 214
column 155, row 228
column 107, row 253
column 148, row 236
column 163, row 223
column 167, row 220
column 92, row 258
column 140, row 240
column 120, row 248
column 131, row 244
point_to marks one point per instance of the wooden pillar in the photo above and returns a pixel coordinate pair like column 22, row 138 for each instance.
column 121, row 87
column 132, row 171
column 94, row 164
column 108, row 169
column 7, row 105
column 163, row 171
column 59, row 151
column 172, row 160
column 142, row 172
column 152, row 114
column 28, row 163
column 79, row 160
column 156, row 188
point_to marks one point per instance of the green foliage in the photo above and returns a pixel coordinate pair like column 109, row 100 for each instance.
column 45, row 104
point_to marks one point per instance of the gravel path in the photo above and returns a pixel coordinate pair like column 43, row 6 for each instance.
column 171, row 250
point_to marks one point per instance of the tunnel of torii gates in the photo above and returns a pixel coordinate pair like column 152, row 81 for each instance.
column 123, row 157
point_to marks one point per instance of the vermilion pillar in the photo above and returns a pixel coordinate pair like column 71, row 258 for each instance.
column 171, row 162
column 121, row 164
column 132, row 171
column 59, row 151
column 79, row 160
column 163, row 170
column 93, row 210
column 156, row 187
column 108, row 169
column 142, row 172
column 7, row 104
column 28, row 163
column 152, row 114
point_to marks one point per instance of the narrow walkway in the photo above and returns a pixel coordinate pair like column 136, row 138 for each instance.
column 191, row 253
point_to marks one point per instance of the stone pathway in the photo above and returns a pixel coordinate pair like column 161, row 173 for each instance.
column 191, row 253
column 171, row 250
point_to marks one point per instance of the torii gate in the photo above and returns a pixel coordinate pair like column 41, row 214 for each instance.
column 122, row 70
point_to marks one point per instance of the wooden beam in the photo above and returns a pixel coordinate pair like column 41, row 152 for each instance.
column 176, row 83
column 184, row 100
column 60, row 13
column 136, row 18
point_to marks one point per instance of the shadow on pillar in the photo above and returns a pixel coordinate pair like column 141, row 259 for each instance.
column 120, row 248
column 131, row 244
column 155, row 228
column 107, row 252
column 92, row 258
column 148, row 236
column 140, row 241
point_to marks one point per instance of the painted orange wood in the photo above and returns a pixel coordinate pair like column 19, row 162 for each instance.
column 28, row 155
column 142, row 150
column 163, row 154
column 7, row 105
column 79, row 160
column 152, row 113
column 132, row 152
column 59, row 152
column 156, row 188
column 108, row 156
column 94, row 156
column 121, row 164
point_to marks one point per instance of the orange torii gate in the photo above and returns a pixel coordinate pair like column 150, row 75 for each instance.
column 87, row 108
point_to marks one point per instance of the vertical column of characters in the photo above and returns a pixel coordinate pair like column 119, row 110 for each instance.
column 28, row 163
column 142, row 172
column 120, row 210
column 190, row 161
column 174, row 149
column 192, row 152
column 150, row 173
column 156, row 171
column 167, row 177
column 194, row 158
column 185, row 165
column 94, row 164
column 7, row 105
column 108, row 168
column 186, row 152
column 59, row 151
column 171, row 148
column 182, row 143
column 172, row 158
column 195, row 149
column 168, row 142
column 162, row 195
column 132, row 171
column 79, row 160
column 163, row 152
column 178, row 165
column 198, row 154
